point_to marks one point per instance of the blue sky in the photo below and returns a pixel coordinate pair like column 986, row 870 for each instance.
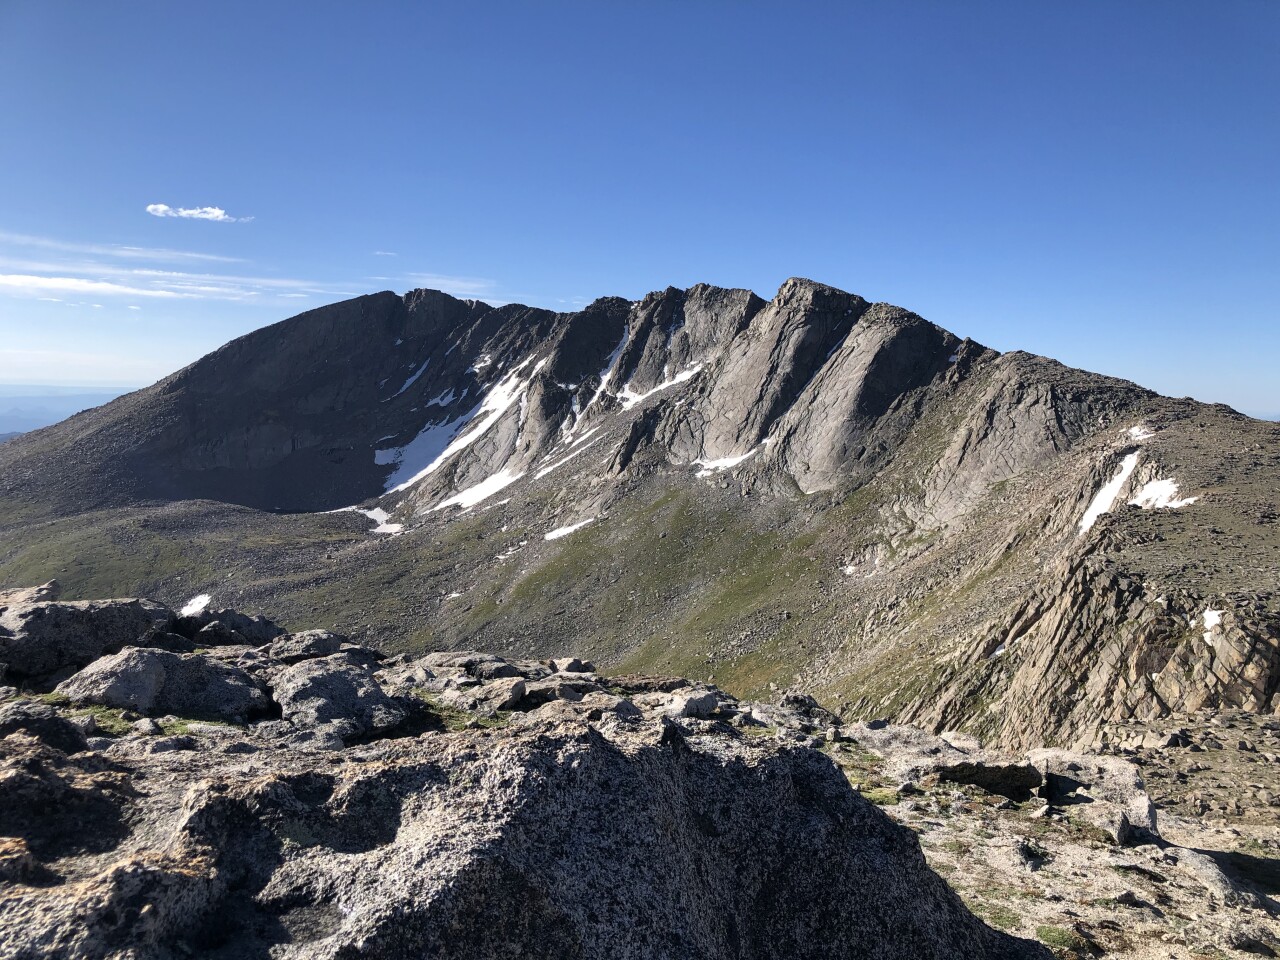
column 1095, row 181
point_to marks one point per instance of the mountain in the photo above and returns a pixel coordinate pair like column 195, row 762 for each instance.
column 814, row 492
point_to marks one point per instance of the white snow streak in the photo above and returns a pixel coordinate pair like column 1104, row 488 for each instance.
column 426, row 448
column 481, row 491
column 606, row 374
column 412, row 379
column 585, row 436
column 714, row 466
column 439, row 442
column 559, row 532
column 561, row 462
column 1106, row 497
column 1161, row 495
column 1140, row 432
column 630, row 399
column 195, row 605
column 508, row 554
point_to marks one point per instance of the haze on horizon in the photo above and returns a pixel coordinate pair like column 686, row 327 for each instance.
column 1093, row 183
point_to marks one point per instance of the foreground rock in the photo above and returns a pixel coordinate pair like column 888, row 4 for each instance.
column 156, row 681
column 546, row 817
column 40, row 640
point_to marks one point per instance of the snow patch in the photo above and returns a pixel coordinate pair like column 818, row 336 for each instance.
column 954, row 358
column 1106, row 497
column 425, row 454
column 998, row 650
column 724, row 463
column 508, row 554
column 1161, row 495
column 443, row 400
column 1211, row 618
column 422, row 454
column 481, row 491
column 195, row 605
column 1141, row 432
column 380, row 517
column 629, row 398
column 559, row 532
column 412, row 379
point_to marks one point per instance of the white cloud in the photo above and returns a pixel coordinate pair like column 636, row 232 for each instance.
column 217, row 214
column 32, row 284
column 203, row 286
column 137, row 272
column 385, row 253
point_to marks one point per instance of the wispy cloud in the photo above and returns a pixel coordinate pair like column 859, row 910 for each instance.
column 120, row 271
column 217, row 214
column 33, row 284
column 157, row 254
column 385, row 253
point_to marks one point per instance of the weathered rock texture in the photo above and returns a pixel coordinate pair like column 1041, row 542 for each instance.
column 627, row 821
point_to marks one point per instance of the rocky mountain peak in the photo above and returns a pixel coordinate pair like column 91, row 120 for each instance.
column 815, row 491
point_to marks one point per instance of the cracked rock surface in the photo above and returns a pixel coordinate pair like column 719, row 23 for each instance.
column 451, row 805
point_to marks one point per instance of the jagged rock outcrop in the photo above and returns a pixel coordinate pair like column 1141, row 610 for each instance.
column 1092, row 646
column 628, row 821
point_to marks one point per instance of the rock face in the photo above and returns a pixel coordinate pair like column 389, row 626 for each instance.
column 635, row 822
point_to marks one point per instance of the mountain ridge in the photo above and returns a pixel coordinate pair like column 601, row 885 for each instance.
column 812, row 491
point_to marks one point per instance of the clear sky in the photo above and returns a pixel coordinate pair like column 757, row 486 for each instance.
column 1095, row 181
